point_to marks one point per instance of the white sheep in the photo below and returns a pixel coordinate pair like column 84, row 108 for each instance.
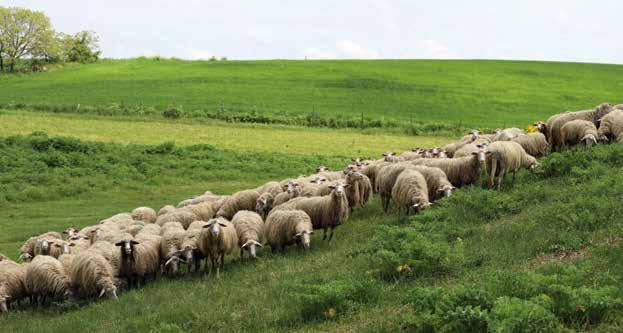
column 12, row 288
column 288, row 227
column 504, row 157
column 578, row 131
column 611, row 125
column 410, row 191
column 92, row 275
column 145, row 214
column 217, row 239
column 250, row 230
column 243, row 200
column 46, row 277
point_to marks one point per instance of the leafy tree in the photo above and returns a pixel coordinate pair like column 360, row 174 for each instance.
column 23, row 33
column 80, row 47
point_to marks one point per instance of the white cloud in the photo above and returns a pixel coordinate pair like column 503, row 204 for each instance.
column 436, row 49
column 197, row 54
column 355, row 51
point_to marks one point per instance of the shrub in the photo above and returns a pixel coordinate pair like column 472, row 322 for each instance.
column 172, row 112
column 511, row 314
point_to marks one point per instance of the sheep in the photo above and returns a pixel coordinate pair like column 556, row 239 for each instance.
column 45, row 277
column 166, row 209
column 386, row 179
column 330, row 175
column 436, row 181
column 203, row 211
column 409, row 156
column 272, row 188
column 207, row 197
column 92, row 275
column 326, row 212
column 460, row 171
column 534, row 144
column 554, row 123
column 171, row 225
column 507, row 134
column 410, row 191
column 182, row 215
column 12, row 288
column 451, row 148
column 371, row 171
column 139, row 257
column 250, row 230
column 71, row 232
column 63, row 247
column 243, row 200
column 611, row 125
column 264, row 203
column 190, row 245
column 152, row 229
column 217, row 239
column 288, row 227
column 578, row 131
column 27, row 251
column 510, row 157
column 363, row 187
column 145, row 214
column 470, row 148
column 171, row 250
column 117, row 218
column 291, row 190
column 109, row 252
column 542, row 128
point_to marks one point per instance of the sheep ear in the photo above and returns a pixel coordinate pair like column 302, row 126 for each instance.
column 332, row 187
column 133, row 242
column 72, row 244
column 439, row 190
column 474, row 153
column 119, row 244
column 347, row 186
column 298, row 234
column 102, row 292
column 222, row 224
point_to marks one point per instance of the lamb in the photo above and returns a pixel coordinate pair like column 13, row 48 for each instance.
column 386, row 179
column 145, row 214
column 507, row 134
column 182, row 215
column 578, row 131
column 12, row 288
column 92, row 275
column 140, row 257
column 45, row 277
column 243, row 200
column 510, row 157
column 460, row 171
column 264, row 203
column 166, row 209
column 171, row 250
column 436, row 181
column 217, row 239
column 534, row 144
column 554, row 123
column 250, row 230
column 410, row 191
column 288, row 227
column 27, row 251
column 291, row 190
column 326, row 212
column 611, row 125
column 190, row 245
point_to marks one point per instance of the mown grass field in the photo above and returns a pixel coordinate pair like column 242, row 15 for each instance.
column 473, row 93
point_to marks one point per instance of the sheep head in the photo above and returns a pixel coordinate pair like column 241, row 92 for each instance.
column 65, row 247
column 304, row 238
column 188, row 252
column 389, row 156
column 339, row 190
column 446, row 190
column 71, row 231
column 109, row 292
column 419, row 204
column 589, row 140
column 251, row 246
column 264, row 203
column 481, row 155
column 45, row 246
column 474, row 134
column 25, row 257
column 214, row 227
column 321, row 168
column 127, row 246
column 172, row 264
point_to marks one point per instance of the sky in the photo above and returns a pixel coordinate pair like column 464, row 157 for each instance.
column 554, row 30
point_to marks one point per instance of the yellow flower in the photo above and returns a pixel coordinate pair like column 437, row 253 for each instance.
column 330, row 313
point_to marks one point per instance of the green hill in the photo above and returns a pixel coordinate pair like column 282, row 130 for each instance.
column 333, row 93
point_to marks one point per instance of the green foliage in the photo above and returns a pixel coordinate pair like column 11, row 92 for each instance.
column 516, row 315
column 81, row 47
column 172, row 112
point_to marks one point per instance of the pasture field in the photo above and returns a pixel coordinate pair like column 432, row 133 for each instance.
column 443, row 95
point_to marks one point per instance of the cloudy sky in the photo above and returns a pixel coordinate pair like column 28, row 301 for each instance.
column 561, row 30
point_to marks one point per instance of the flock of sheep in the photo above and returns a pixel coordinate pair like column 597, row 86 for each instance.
column 124, row 250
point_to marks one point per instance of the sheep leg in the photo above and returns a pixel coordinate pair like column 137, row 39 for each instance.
column 514, row 172
column 241, row 255
column 501, row 176
column 331, row 236
column 324, row 235
column 492, row 170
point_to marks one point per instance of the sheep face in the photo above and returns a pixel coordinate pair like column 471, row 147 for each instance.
column 446, row 190
column 127, row 247
column 418, row 205
column 71, row 232
column 321, row 168
column 474, row 134
column 110, row 292
column 481, row 154
column 189, row 253
column 214, row 228
column 45, row 247
column 339, row 190
column 291, row 187
column 589, row 140
column 25, row 257
column 304, row 238
column 172, row 265
column 251, row 246
column 389, row 156
column 65, row 247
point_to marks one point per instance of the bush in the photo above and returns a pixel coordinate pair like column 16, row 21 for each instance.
column 511, row 314
column 172, row 113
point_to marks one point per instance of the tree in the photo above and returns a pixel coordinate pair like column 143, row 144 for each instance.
column 81, row 47
column 24, row 33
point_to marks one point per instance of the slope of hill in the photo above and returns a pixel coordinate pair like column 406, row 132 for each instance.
column 325, row 93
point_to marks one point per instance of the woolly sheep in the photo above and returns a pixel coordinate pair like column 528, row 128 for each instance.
column 556, row 122
column 264, row 203
column 12, row 288
column 109, row 252
column 326, row 212
column 534, row 144
column 362, row 193
column 410, row 191
column 460, row 171
column 27, row 251
column 272, row 188
column 217, row 239
column 330, row 175
column 140, row 257
column 436, row 181
column 291, row 190
column 386, row 179
column 243, row 200
column 208, row 197
column 145, row 214
column 578, row 131
column 504, row 157
column 171, row 250
column 190, row 245
column 250, row 230
column 288, row 227
column 507, row 134
column 611, row 125
column 118, row 218
column 92, row 275
column 45, row 277
column 371, row 171
column 166, row 209
column 183, row 216
column 469, row 149
column 203, row 211
column 152, row 229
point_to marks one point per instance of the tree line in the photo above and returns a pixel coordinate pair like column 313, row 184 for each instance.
column 28, row 42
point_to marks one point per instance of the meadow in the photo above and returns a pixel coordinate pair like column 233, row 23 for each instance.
column 543, row 255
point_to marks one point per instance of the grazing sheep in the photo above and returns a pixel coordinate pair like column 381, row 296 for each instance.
column 171, row 250
column 452, row 148
column 471, row 148
column 534, row 144
column 507, row 134
column 611, row 125
column 578, row 131
column 364, row 188
column 166, row 209
column 12, row 288
column 291, row 190
column 371, row 171
column 190, row 245
column 460, row 171
column 182, row 215
column 410, row 191
column 203, row 211
column 504, row 157
column 436, row 181
column 386, row 179
column 542, row 128
column 250, row 230
column 109, row 252
column 46, row 277
column 243, row 200
column 145, row 214
column 171, row 225
column 264, row 203
column 288, row 227
column 326, row 212
column 27, row 251
column 272, row 188
column 217, row 239
column 140, row 257
column 556, row 122
column 92, row 275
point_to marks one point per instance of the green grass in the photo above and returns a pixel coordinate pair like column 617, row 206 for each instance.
column 481, row 94
column 486, row 249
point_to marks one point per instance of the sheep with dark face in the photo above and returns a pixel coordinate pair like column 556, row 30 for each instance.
column 217, row 239
column 140, row 257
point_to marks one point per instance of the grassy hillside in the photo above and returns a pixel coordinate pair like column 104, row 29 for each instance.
column 327, row 93
column 532, row 257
